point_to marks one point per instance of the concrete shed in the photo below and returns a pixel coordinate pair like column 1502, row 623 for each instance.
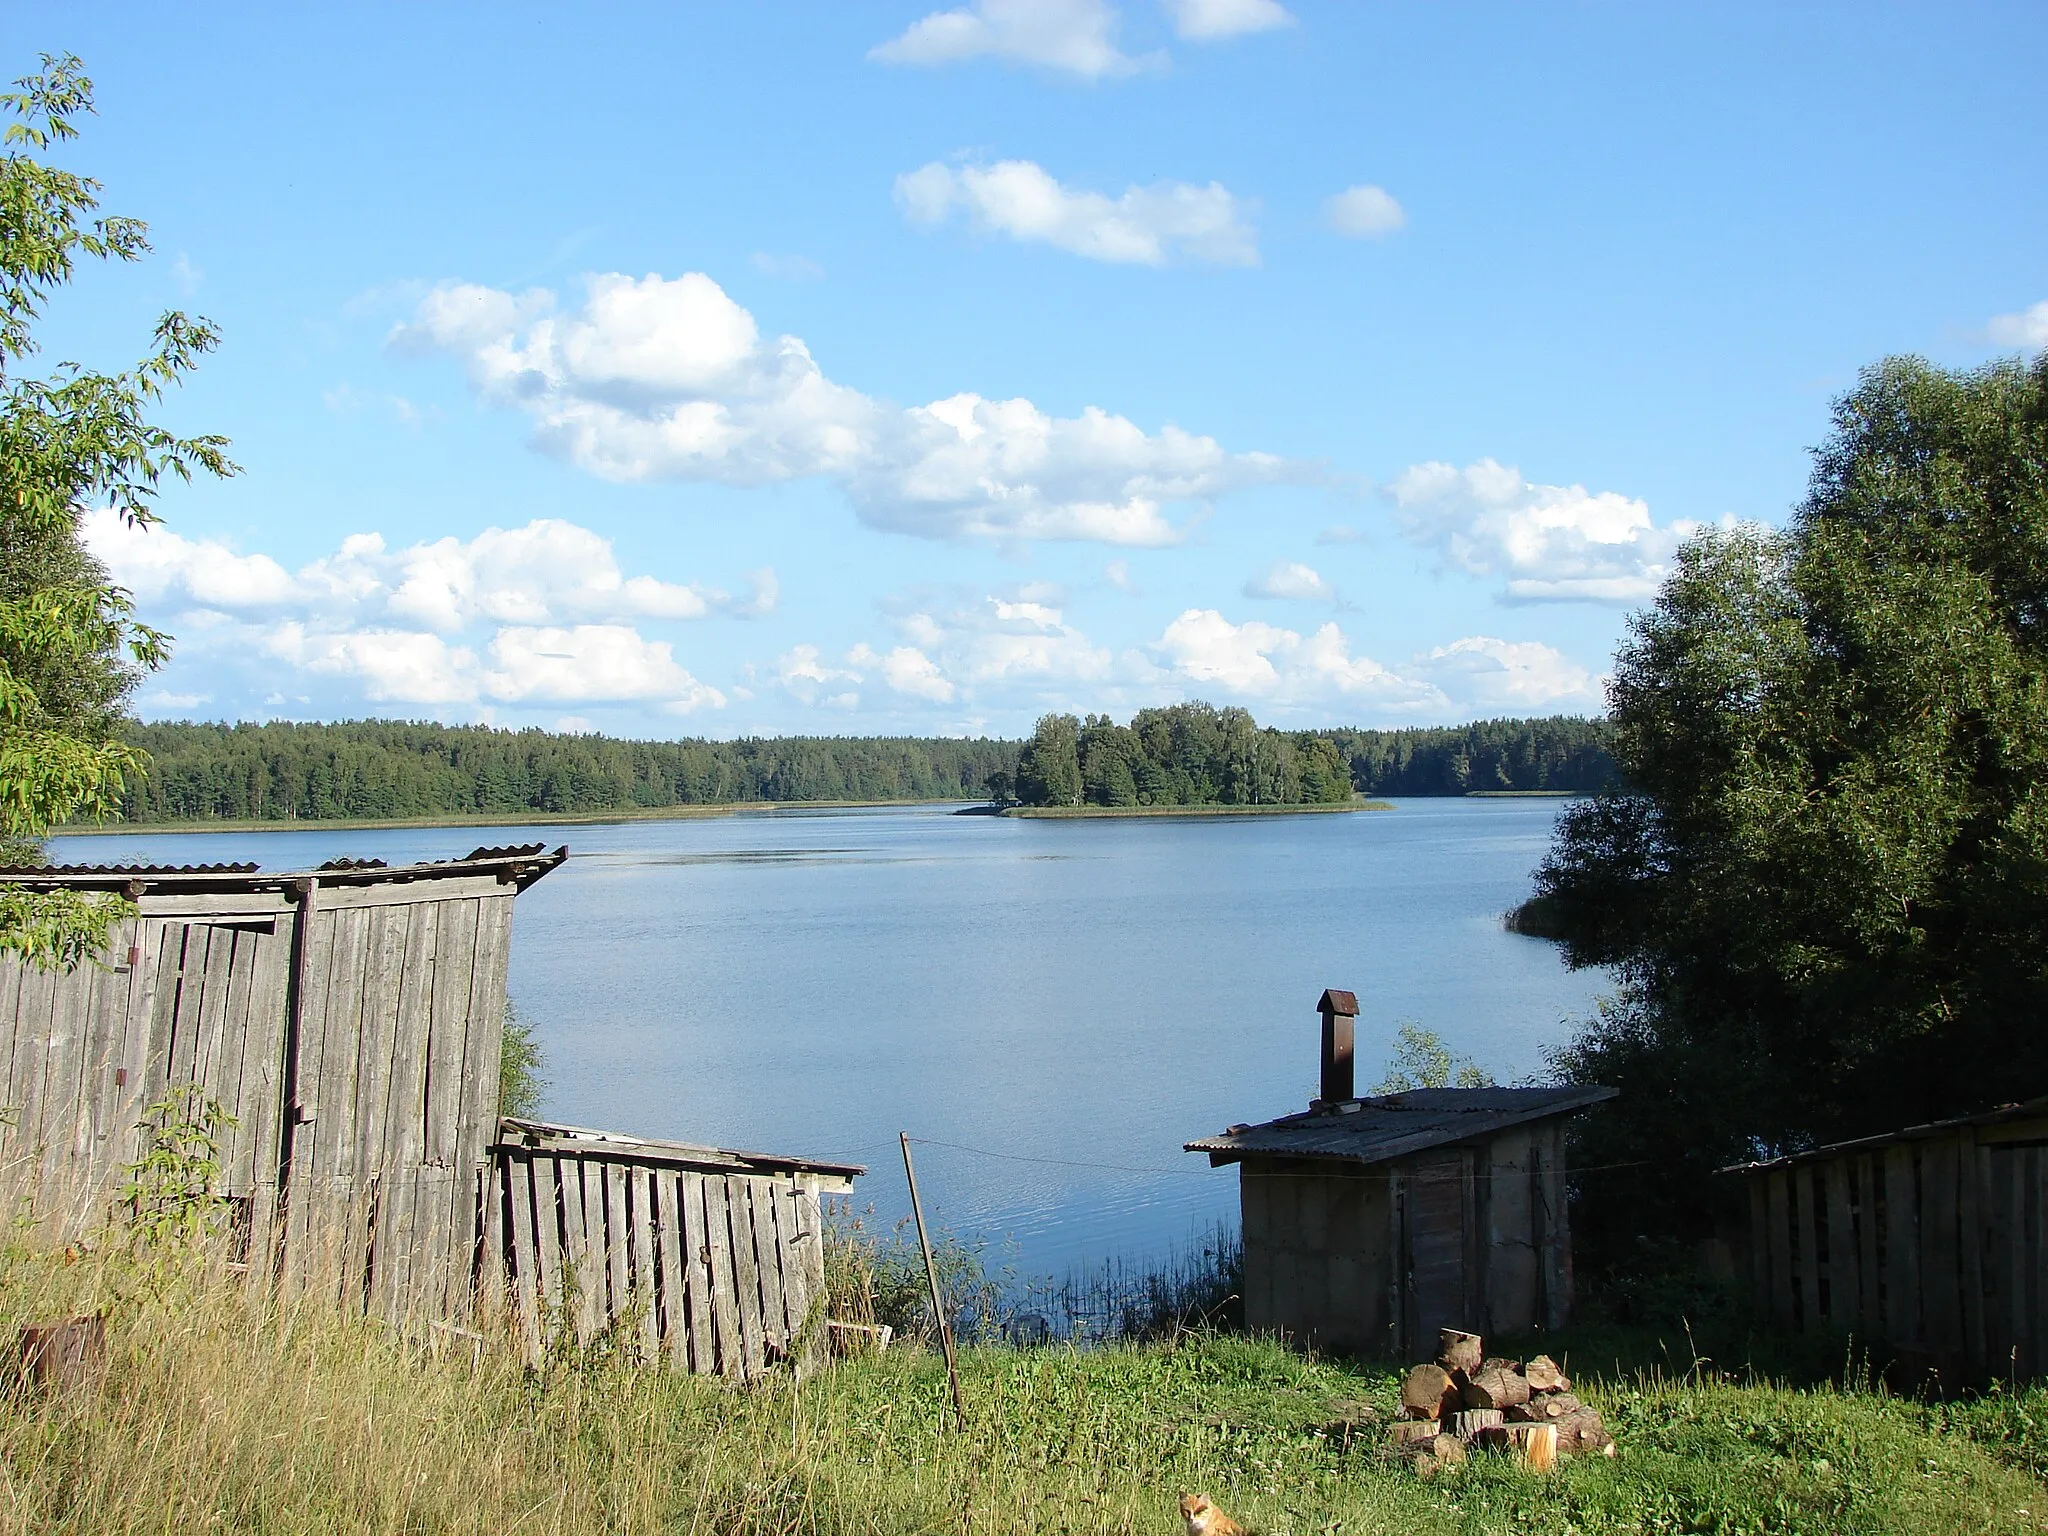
column 1370, row 1223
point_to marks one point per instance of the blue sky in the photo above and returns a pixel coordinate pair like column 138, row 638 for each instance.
column 870, row 367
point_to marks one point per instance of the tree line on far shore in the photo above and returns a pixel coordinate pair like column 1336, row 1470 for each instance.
column 1187, row 754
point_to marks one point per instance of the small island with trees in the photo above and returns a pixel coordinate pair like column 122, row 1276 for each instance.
column 1180, row 759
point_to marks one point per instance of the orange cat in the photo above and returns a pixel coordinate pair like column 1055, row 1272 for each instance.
column 1205, row 1519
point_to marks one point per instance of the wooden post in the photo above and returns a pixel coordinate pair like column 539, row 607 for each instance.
column 931, row 1274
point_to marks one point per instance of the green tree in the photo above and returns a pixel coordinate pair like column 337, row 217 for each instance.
column 70, row 647
column 1825, row 886
column 1049, row 768
column 1422, row 1060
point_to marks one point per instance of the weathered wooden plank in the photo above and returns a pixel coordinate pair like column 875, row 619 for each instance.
column 1783, row 1283
column 405, row 1122
column 811, row 1217
column 2022, row 1315
column 576, row 1224
column 792, row 1236
column 383, row 980
column 1843, row 1285
column 2037, row 1257
column 1972, row 1205
column 99, row 1049
column 109, row 1077
column 697, row 1274
column 641, row 1219
column 483, row 1039
column 725, row 1291
column 669, row 1238
column 167, row 981
column 43, row 994
column 487, row 1289
column 216, row 985
column 1868, row 1172
column 448, row 1028
column 1759, row 1241
column 763, row 1197
column 336, row 966
column 618, row 1240
column 1941, row 1282
column 553, row 1313
column 238, row 1158
column 524, row 1246
column 1805, row 1255
column 1902, row 1247
column 64, row 1204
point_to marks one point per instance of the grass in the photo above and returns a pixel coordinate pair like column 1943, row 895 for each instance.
column 1095, row 812
column 220, row 1413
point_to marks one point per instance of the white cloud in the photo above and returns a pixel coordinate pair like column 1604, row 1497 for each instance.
column 2028, row 328
column 1290, row 580
column 590, row 662
column 802, row 672
column 547, row 605
column 1364, row 212
column 1266, row 664
column 1077, row 36
column 1118, row 574
column 1207, row 21
column 668, row 379
column 907, row 670
column 1145, row 225
column 1550, row 542
column 1483, row 675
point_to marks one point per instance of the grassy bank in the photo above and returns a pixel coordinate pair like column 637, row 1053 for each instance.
column 216, row 1414
column 1120, row 812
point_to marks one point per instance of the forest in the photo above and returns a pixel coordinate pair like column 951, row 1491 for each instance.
column 384, row 769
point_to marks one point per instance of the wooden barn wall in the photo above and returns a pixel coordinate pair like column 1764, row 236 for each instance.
column 718, row 1273
column 399, row 1015
column 1375, row 1259
column 1933, row 1248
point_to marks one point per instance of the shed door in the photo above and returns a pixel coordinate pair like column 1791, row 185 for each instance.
column 1435, row 1261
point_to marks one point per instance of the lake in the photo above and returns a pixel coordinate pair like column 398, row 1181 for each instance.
column 1054, row 1005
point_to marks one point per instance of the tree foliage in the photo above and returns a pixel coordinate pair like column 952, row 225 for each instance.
column 1183, row 754
column 1826, row 887
column 71, row 649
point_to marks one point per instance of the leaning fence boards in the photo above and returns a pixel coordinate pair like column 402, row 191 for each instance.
column 712, row 1259
column 1929, row 1242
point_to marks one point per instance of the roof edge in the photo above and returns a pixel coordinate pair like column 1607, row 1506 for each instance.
column 1567, row 1100
column 2027, row 1109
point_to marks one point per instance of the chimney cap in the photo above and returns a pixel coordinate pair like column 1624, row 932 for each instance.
column 1334, row 1001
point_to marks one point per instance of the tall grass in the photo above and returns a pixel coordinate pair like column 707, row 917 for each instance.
column 220, row 1410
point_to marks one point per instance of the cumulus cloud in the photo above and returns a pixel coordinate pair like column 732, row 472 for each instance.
column 1364, row 212
column 1552, row 543
column 1144, row 226
column 2028, row 328
column 512, row 616
column 1208, row 21
column 656, row 378
column 1290, row 580
column 1076, row 36
column 1265, row 664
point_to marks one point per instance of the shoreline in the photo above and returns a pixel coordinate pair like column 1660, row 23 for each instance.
column 1135, row 812
column 496, row 819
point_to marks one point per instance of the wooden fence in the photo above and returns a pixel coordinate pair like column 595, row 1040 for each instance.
column 709, row 1259
column 1931, row 1243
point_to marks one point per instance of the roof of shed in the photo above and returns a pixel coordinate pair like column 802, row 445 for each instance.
column 1376, row 1130
column 2032, row 1109
column 522, row 865
column 543, row 1135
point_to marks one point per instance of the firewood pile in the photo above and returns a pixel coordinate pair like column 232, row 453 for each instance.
column 1470, row 1399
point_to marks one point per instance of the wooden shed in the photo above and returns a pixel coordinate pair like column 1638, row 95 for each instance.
column 1930, row 1242
column 350, row 1018
column 1371, row 1223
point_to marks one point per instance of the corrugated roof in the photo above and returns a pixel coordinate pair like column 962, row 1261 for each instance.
column 2032, row 1109
column 1373, row 1130
column 522, row 864
column 541, row 1134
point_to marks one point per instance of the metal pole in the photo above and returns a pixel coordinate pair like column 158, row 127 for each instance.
column 931, row 1274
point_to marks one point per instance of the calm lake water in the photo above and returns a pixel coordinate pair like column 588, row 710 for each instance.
column 1055, row 1005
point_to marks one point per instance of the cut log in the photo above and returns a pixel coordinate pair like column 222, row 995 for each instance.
column 1530, row 1412
column 1422, row 1394
column 1574, row 1427
column 1544, row 1376
column 1449, row 1450
column 1555, row 1405
column 1468, row 1424
column 1412, row 1432
column 1496, row 1388
column 1458, row 1351
column 1535, row 1446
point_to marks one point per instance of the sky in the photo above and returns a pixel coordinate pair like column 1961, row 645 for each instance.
column 857, row 368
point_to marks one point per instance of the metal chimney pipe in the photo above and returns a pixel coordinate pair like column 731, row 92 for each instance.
column 1338, row 1010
